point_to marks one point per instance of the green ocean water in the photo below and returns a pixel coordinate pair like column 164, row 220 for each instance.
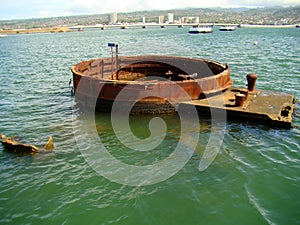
column 254, row 178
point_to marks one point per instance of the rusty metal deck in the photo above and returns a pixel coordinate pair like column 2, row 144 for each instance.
column 269, row 106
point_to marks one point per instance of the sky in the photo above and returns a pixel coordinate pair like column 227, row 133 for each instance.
column 23, row 9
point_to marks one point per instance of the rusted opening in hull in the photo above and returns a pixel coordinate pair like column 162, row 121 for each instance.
column 147, row 70
column 130, row 68
column 176, row 79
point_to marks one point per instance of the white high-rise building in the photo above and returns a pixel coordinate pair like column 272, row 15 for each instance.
column 170, row 17
column 161, row 19
column 113, row 18
column 190, row 19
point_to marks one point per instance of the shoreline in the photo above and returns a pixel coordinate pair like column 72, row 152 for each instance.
column 72, row 29
column 269, row 26
column 36, row 30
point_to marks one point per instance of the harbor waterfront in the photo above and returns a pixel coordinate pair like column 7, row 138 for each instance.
column 254, row 179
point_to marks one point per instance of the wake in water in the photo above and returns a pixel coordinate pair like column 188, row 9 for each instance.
column 253, row 200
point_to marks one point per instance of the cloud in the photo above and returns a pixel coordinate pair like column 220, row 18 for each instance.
column 107, row 6
column 31, row 8
column 263, row 2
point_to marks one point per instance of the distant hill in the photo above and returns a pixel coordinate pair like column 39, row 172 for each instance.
column 273, row 15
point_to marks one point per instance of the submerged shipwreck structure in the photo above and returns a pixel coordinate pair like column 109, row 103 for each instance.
column 11, row 144
column 157, row 84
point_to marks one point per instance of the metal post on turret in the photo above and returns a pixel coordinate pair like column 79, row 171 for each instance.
column 112, row 45
column 117, row 61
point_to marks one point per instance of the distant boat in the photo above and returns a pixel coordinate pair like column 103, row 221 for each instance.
column 144, row 26
column 298, row 26
column 124, row 27
column 227, row 28
column 197, row 29
column 3, row 35
column 162, row 26
column 180, row 26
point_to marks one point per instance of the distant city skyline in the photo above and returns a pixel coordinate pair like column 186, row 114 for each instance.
column 51, row 8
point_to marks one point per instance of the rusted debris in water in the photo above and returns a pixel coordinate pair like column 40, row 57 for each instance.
column 11, row 144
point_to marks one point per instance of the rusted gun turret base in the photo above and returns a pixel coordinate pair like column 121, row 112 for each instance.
column 272, row 107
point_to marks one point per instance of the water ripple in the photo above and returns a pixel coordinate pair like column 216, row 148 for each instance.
column 253, row 179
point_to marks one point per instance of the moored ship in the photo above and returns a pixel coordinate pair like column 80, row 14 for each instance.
column 227, row 28
column 197, row 29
